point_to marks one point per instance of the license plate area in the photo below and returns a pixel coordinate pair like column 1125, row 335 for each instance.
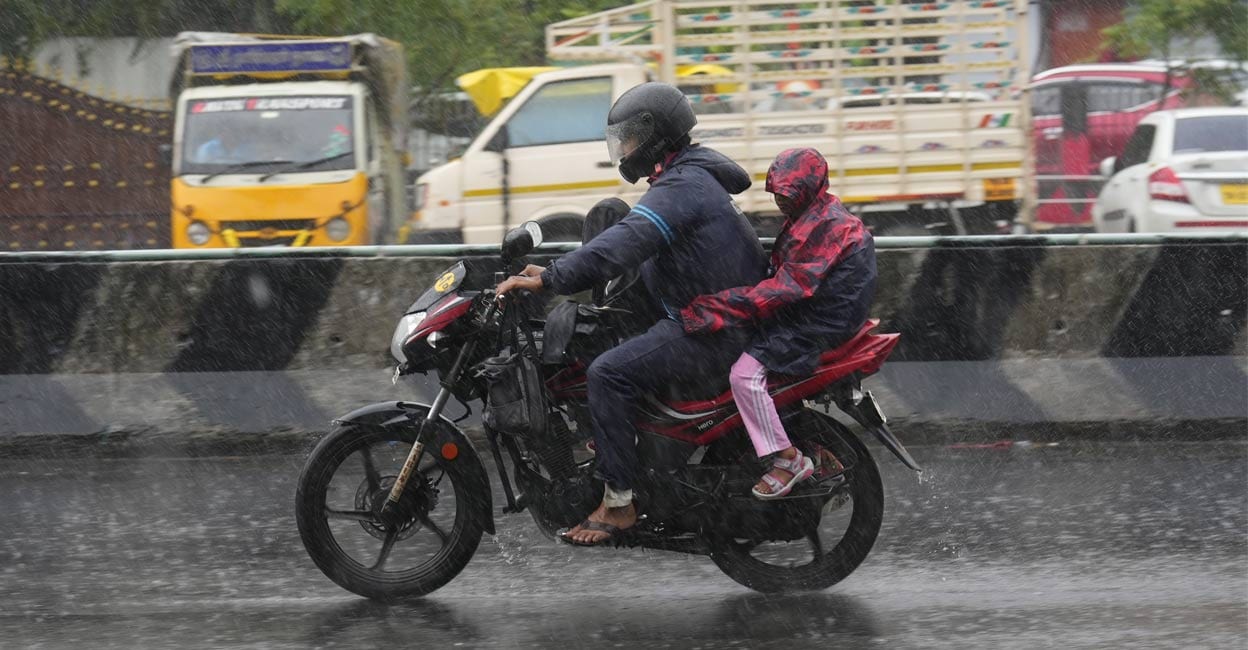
column 1235, row 194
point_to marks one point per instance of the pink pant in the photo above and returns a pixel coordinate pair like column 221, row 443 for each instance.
column 758, row 410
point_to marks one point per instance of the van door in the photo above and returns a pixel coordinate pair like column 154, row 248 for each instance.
column 557, row 159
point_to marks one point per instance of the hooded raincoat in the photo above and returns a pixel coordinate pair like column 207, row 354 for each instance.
column 821, row 282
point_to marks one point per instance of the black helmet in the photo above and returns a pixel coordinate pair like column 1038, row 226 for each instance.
column 645, row 123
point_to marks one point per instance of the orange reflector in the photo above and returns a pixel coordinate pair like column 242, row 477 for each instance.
column 450, row 451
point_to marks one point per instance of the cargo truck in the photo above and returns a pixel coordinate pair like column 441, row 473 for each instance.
column 917, row 106
column 288, row 141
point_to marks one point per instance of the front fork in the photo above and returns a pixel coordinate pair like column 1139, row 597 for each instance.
column 418, row 448
column 435, row 412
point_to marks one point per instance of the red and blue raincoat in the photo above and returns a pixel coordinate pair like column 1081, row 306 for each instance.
column 821, row 281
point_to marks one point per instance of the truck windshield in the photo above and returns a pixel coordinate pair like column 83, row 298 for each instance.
column 227, row 132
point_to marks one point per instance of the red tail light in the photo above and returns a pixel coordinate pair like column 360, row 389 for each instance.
column 1164, row 185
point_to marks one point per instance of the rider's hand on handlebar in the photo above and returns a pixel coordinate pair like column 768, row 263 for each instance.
column 530, row 279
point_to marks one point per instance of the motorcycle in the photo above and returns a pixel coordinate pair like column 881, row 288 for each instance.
column 394, row 500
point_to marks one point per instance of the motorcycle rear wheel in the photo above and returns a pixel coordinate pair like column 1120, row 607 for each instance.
column 345, row 478
column 816, row 563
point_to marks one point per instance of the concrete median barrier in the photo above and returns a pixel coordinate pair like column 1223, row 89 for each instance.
column 1000, row 341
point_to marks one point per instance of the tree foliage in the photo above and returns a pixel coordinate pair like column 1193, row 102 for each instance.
column 1167, row 29
column 443, row 38
column 1164, row 27
column 26, row 23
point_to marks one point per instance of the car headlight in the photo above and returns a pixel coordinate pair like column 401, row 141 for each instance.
column 338, row 229
column 407, row 325
column 198, row 233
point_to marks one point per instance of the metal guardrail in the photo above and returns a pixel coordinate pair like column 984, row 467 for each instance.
column 467, row 250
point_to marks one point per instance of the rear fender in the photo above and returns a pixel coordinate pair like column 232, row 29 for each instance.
column 398, row 416
column 863, row 408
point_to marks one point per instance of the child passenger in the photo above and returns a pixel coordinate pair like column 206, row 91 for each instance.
column 816, row 297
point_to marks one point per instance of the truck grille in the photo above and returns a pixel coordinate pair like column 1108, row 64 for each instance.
column 257, row 242
column 252, row 225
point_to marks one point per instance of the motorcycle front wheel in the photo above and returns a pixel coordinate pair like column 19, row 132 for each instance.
column 343, row 483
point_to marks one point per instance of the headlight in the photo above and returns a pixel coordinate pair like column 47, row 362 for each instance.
column 198, row 233
column 406, row 327
column 338, row 229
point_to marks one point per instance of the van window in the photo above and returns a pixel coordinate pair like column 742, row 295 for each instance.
column 1108, row 98
column 562, row 112
column 1046, row 101
column 1103, row 97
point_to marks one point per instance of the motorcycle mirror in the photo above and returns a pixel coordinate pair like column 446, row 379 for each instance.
column 517, row 244
column 535, row 231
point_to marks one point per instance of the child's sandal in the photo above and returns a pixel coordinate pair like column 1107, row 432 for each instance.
column 800, row 467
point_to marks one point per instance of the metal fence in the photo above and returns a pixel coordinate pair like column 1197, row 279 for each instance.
column 468, row 250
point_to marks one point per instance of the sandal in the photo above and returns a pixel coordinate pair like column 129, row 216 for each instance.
column 827, row 465
column 800, row 467
column 612, row 531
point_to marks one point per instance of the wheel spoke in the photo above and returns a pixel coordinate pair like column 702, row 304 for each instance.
column 387, row 545
column 815, row 543
column 429, row 523
column 349, row 515
column 370, row 470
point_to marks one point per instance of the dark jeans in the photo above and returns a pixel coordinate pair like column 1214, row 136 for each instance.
column 624, row 374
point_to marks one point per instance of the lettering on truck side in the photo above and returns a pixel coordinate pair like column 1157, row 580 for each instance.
column 871, row 125
column 792, row 129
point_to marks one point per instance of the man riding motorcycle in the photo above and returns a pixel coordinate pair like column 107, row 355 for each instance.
column 689, row 239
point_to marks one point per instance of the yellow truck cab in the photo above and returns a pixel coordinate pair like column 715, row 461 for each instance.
column 284, row 142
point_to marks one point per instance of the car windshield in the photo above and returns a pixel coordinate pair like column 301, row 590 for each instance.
column 224, row 133
column 1211, row 133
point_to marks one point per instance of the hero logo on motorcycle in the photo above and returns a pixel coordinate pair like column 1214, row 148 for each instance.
column 383, row 532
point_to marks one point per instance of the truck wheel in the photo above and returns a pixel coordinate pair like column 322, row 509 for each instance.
column 562, row 227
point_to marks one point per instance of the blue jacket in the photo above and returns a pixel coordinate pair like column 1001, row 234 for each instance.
column 685, row 233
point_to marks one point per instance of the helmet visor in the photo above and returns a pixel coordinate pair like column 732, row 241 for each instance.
column 627, row 136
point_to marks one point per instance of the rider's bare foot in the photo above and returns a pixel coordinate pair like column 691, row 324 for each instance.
column 621, row 518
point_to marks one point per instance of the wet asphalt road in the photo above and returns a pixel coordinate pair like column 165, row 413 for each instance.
column 1127, row 546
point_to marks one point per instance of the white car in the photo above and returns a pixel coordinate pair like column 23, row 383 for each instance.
column 1181, row 171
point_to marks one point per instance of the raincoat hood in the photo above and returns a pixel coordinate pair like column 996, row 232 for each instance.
column 801, row 175
column 731, row 176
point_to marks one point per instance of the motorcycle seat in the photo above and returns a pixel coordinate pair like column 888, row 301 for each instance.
column 714, row 391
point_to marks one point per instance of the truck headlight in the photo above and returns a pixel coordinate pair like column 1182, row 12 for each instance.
column 198, row 233
column 407, row 325
column 338, row 229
